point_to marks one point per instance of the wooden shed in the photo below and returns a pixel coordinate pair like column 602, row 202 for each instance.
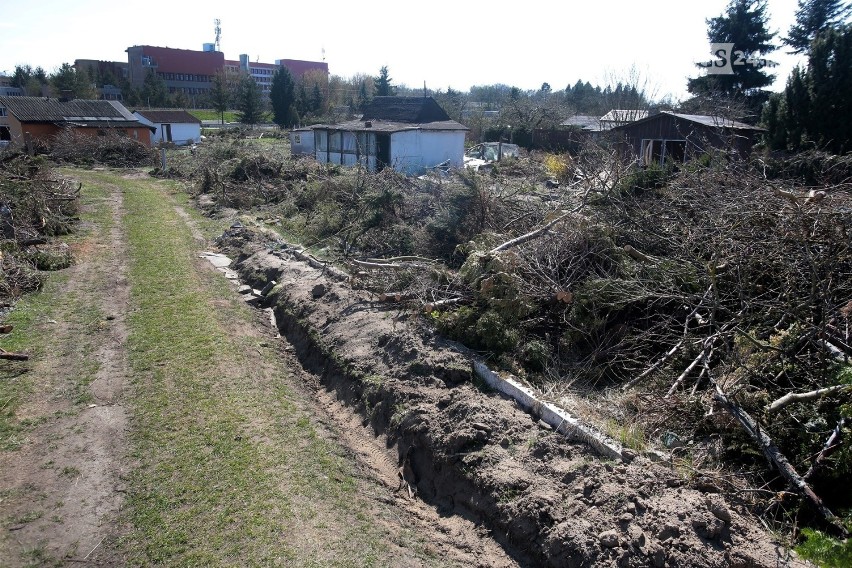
column 679, row 137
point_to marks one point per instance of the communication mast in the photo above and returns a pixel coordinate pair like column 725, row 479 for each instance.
column 218, row 28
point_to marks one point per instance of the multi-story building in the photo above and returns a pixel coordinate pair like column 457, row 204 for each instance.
column 183, row 70
column 191, row 72
column 109, row 74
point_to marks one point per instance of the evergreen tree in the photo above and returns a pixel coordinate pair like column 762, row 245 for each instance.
column 745, row 25
column 813, row 17
column 282, row 96
column 220, row 96
column 249, row 101
column 316, row 100
column 363, row 95
column 29, row 80
column 154, row 92
column 66, row 79
column 829, row 81
column 816, row 106
column 384, row 87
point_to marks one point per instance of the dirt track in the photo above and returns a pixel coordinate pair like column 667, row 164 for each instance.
column 66, row 480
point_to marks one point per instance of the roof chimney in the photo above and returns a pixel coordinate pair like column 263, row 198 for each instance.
column 368, row 124
column 66, row 95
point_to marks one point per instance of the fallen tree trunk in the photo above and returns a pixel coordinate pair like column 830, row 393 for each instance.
column 13, row 356
column 776, row 458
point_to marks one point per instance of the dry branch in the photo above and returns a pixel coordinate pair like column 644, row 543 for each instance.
column 432, row 306
column 774, row 455
column 792, row 397
column 13, row 356
column 529, row 236
column 401, row 259
column 375, row 265
column 829, row 446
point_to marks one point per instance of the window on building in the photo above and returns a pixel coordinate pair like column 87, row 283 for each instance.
column 662, row 151
column 3, row 111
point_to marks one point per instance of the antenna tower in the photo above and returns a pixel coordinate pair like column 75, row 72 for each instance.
column 218, row 29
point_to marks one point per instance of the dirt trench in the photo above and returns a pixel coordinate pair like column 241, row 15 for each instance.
column 474, row 454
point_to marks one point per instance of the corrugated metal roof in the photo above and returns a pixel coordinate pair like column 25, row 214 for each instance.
column 168, row 116
column 703, row 119
column 43, row 109
column 584, row 122
column 624, row 115
column 717, row 121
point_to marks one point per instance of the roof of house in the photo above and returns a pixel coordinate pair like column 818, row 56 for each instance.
column 703, row 119
column 715, row 121
column 388, row 126
column 624, row 115
column 583, row 122
column 78, row 112
column 415, row 110
column 168, row 116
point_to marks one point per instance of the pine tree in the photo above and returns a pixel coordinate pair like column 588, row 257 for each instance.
column 155, row 93
column 830, row 87
column 219, row 95
column 316, row 100
column 744, row 24
column 384, row 87
column 813, row 17
column 282, row 96
column 249, row 101
column 363, row 95
column 816, row 106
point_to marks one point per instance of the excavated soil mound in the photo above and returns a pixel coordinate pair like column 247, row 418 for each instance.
column 551, row 501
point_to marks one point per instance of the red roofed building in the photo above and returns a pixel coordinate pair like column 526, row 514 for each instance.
column 191, row 72
column 183, row 70
column 298, row 68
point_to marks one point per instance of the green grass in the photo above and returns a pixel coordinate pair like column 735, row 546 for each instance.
column 230, row 470
column 230, row 116
column 825, row 551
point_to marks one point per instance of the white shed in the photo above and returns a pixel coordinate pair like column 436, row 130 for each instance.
column 302, row 142
column 409, row 134
column 176, row 126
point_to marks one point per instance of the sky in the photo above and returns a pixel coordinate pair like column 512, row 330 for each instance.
column 655, row 43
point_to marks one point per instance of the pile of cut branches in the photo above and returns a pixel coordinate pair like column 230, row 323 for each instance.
column 113, row 150
column 35, row 205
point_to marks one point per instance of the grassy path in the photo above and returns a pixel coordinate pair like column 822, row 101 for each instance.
column 224, row 463
column 231, row 470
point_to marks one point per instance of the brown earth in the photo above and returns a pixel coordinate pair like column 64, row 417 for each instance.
column 474, row 454
column 64, row 485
